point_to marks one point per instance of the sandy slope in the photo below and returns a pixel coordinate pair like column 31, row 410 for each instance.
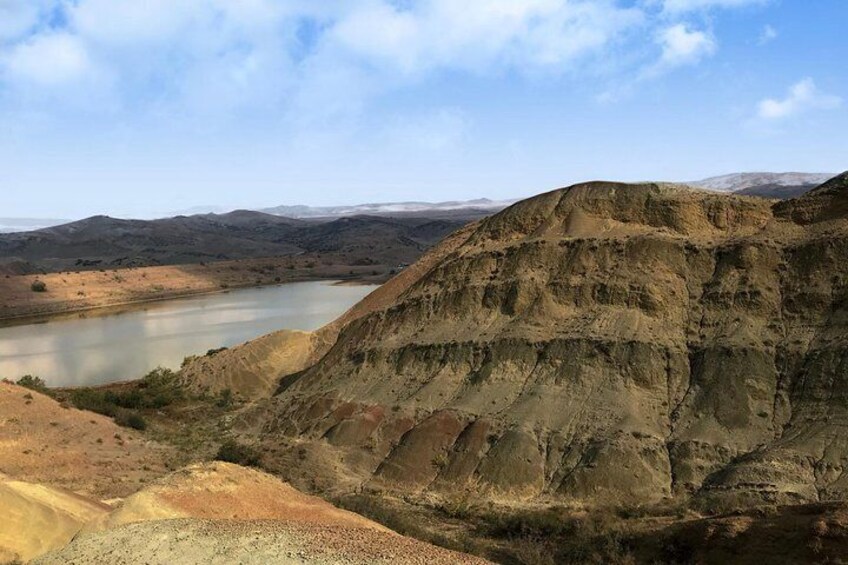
column 223, row 491
column 44, row 442
column 37, row 518
column 251, row 370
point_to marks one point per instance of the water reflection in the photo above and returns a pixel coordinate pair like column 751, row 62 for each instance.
column 96, row 350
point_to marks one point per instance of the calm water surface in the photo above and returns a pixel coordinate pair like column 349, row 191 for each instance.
column 99, row 349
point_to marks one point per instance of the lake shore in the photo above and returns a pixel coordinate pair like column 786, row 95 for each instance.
column 96, row 292
column 84, row 350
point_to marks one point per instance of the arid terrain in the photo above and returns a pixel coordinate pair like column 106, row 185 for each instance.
column 602, row 346
column 604, row 373
column 72, row 474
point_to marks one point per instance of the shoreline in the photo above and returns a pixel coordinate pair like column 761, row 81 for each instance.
column 100, row 292
column 131, row 305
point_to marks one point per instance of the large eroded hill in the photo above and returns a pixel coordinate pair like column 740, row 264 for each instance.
column 605, row 344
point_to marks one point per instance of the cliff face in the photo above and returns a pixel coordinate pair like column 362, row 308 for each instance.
column 605, row 343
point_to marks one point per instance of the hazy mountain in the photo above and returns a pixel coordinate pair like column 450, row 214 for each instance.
column 389, row 209
column 767, row 185
column 10, row 225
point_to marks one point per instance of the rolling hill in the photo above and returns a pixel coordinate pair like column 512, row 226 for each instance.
column 103, row 241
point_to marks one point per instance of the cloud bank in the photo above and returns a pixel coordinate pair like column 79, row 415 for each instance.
column 295, row 57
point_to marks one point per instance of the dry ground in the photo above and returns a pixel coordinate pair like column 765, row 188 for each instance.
column 223, row 513
column 43, row 441
column 76, row 291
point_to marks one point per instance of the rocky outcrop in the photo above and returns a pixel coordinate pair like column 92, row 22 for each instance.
column 607, row 344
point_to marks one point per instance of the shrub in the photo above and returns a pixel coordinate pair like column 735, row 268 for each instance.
column 225, row 399
column 240, row 454
column 93, row 400
column 131, row 420
column 38, row 286
column 159, row 388
column 33, row 383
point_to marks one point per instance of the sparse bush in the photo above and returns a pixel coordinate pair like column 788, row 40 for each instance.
column 38, row 286
column 159, row 388
column 233, row 452
column 33, row 383
column 536, row 536
column 225, row 399
column 131, row 420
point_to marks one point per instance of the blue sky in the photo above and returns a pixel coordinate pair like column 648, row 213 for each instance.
column 143, row 108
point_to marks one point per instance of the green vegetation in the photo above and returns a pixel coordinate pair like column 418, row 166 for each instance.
column 556, row 535
column 38, row 286
column 534, row 536
column 157, row 389
column 225, row 399
column 409, row 523
column 233, row 452
column 131, row 420
column 33, row 383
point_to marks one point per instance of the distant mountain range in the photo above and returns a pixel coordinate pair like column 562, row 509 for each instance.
column 102, row 241
column 429, row 209
column 767, row 185
column 9, row 225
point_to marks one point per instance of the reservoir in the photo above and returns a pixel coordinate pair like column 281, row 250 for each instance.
column 95, row 349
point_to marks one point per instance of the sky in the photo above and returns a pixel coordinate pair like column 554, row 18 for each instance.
column 141, row 109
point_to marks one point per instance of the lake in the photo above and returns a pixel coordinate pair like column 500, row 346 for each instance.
column 95, row 349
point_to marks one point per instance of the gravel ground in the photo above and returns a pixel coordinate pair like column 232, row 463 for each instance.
column 212, row 542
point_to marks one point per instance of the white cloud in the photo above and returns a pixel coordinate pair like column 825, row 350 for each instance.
column 319, row 60
column 683, row 46
column 681, row 6
column 768, row 35
column 48, row 60
column 802, row 97
column 479, row 35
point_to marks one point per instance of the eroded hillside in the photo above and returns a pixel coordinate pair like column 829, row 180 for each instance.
column 605, row 343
